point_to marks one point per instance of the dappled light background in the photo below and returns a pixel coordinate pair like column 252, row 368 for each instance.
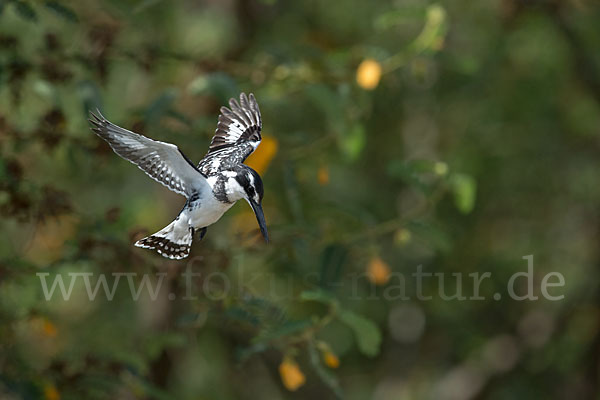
column 398, row 136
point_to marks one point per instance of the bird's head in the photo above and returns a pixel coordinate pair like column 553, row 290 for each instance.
column 252, row 186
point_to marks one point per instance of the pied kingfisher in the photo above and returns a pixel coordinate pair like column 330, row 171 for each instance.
column 211, row 188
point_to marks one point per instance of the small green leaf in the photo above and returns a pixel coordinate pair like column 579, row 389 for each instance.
column 61, row 10
column 366, row 333
column 44, row 89
column 317, row 295
column 464, row 189
column 353, row 141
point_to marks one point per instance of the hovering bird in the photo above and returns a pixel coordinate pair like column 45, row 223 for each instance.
column 211, row 187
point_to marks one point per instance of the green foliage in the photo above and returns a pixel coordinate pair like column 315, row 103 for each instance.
column 61, row 10
column 25, row 10
column 452, row 137
column 366, row 333
column 464, row 189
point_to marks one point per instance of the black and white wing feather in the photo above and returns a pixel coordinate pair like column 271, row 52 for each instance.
column 240, row 124
column 236, row 137
column 163, row 162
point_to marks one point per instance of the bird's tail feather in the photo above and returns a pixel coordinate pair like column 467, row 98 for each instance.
column 173, row 241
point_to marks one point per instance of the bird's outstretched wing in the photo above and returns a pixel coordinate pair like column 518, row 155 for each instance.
column 161, row 161
column 240, row 124
column 236, row 137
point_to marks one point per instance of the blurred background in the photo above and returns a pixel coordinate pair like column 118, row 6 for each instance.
column 456, row 136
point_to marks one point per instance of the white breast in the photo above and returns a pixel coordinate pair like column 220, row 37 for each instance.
column 208, row 213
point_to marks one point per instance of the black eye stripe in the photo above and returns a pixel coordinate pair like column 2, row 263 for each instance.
column 250, row 181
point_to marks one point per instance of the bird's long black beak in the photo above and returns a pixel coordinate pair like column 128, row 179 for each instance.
column 260, row 217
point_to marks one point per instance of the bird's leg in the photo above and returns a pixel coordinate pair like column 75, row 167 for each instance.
column 202, row 233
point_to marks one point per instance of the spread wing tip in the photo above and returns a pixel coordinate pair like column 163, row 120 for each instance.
column 239, row 123
column 96, row 114
column 97, row 120
column 246, row 100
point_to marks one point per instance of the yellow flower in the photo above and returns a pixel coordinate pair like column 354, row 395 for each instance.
column 262, row 156
column 368, row 74
column 291, row 375
column 323, row 175
column 330, row 359
column 51, row 393
column 43, row 327
column 378, row 271
column 49, row 328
